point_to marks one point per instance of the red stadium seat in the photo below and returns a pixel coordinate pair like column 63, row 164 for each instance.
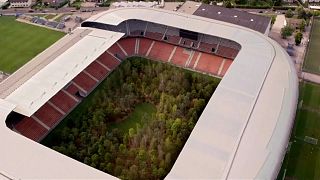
column 31, row 129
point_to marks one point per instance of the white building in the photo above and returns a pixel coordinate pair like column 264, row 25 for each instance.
column 20, row 3
column 310, row 1
column 3, row 2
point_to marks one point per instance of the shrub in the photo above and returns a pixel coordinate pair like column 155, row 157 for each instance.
column 298, row 38
column 286, row 31
column 289, row 13
column 302, row 25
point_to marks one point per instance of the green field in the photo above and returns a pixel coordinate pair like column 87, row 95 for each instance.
column 21, row 42
column 312, row 61
column 141, row 114
column 303, row 159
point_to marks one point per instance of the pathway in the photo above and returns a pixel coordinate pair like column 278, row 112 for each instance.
column 310, row 77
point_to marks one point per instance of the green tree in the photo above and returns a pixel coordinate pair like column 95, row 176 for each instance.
column 131, row 132
column 289, row 13
column 227, row 4
column 277, row 2
column 301, row 12
column 286, row 31
column 133, row 172
column 302, row 25
column 95, row 159
column 273, row 19
column 298, row 38
column 241, row 1
column 316, row 13
column 206, row 1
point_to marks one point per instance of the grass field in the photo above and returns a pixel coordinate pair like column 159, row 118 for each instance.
column 20, row 42
column 303, row 159
column 312, row 61
column 141, row 114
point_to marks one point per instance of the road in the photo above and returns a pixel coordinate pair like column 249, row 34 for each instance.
column 51, row 10
column 68, row 9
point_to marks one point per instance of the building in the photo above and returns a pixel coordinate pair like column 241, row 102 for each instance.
column 253, row 21
column 288, row 1
column 242, row 133
column 54, row 3
column 20, row 3
column 3, row 3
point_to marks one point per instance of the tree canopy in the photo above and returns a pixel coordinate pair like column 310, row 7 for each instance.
column 298, row 38
column 286, row 31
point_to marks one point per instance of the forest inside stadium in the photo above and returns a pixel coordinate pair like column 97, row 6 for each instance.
column 136, row 122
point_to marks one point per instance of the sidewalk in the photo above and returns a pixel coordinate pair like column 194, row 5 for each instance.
column 310, row 77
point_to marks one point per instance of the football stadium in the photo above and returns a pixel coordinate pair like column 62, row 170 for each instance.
column 243, row 132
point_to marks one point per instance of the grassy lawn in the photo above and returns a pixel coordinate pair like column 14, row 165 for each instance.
column 310, row 94
column 50, row 16
column 40, row 15
column 141, row 114
column 21, row 42
column 312, row 61
column 47, row 16
column 308, row 124
column 303, row 159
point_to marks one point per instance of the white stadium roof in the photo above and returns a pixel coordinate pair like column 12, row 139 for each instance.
column 242, row 133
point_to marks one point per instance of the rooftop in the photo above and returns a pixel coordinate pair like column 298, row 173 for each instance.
column 18, row 1
column 252, row 21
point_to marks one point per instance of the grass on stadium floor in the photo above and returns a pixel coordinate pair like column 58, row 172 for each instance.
column 312, row 61
column 303, row 159
column 20, row 42
column 141, row 114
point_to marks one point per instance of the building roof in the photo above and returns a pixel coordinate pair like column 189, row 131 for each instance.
column 18, row 1
column 3, row 2
column 242, row 133
column 46, row 82
column 189, row 7
column 242, row 18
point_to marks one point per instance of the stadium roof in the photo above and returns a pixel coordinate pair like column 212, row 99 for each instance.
column 43, row 85
column 249, row 117
column 243, row 131
column 256, row 22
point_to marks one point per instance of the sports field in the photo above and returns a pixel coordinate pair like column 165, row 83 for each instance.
column 303, row 158
column 20, row 42
column 312, row 61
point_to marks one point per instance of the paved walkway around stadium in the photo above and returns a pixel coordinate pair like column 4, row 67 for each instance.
column 3, row 76
column 310, row 77
column 299, row 51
